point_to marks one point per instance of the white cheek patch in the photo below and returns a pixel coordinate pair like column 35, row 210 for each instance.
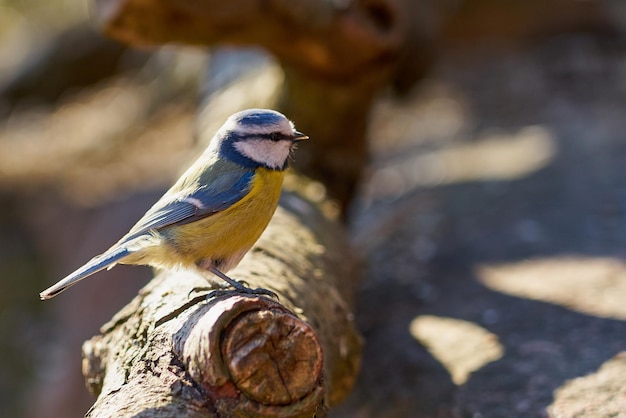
column 270, row 153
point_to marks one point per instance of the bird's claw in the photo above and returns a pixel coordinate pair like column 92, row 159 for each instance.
column 198, row 290
column 247, row 291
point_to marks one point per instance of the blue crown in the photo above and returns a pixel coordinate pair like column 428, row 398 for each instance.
column 259, row 117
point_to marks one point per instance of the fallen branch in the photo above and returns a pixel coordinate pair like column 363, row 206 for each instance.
column 171, row 353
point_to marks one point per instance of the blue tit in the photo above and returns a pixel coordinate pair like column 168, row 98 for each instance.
column 216, row 211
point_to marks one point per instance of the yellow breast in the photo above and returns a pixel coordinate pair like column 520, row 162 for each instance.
column 229, row 234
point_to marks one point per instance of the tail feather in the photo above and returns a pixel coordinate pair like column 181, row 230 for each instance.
column 106, row 260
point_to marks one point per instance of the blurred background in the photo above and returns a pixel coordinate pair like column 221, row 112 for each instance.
column 491, row 220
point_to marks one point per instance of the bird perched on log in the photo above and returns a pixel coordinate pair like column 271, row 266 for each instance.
column 216, row 211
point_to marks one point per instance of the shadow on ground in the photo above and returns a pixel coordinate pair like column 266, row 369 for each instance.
column 485, row 295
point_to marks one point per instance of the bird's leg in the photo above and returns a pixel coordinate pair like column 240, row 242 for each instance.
column 207, row 265
column 228, row 280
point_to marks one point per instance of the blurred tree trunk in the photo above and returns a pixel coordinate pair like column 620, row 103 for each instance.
column 337, row 55
column 171, row 353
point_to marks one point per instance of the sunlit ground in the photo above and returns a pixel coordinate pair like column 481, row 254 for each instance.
column 591, row 285
column 527, row 214
column 461, row 346
column 427, row 144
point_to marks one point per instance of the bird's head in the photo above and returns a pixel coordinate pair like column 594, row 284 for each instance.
column 258, row 137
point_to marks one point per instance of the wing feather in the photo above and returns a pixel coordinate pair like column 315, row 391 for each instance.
column 195, row 203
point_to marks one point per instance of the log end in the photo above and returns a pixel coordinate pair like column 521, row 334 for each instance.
column 255, row 357
column 272, row 356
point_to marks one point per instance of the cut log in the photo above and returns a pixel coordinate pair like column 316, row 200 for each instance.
column 172, row 352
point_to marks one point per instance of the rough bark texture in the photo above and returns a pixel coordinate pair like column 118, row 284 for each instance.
column 170, row 353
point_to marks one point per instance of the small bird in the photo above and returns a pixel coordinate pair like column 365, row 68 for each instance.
column 216, row 211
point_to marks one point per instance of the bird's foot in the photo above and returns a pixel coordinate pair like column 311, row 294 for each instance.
column 243, row 289
column 238, row 288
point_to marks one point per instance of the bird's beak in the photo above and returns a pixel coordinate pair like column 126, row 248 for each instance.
column 299, row 136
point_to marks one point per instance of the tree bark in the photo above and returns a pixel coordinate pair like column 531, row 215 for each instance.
column 172, row 353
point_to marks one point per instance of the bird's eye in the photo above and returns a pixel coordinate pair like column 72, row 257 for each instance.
column 275, row 136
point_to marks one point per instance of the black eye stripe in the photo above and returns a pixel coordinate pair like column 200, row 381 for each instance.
column 273, row 136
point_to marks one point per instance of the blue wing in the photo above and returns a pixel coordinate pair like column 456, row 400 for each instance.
column 195, row 204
